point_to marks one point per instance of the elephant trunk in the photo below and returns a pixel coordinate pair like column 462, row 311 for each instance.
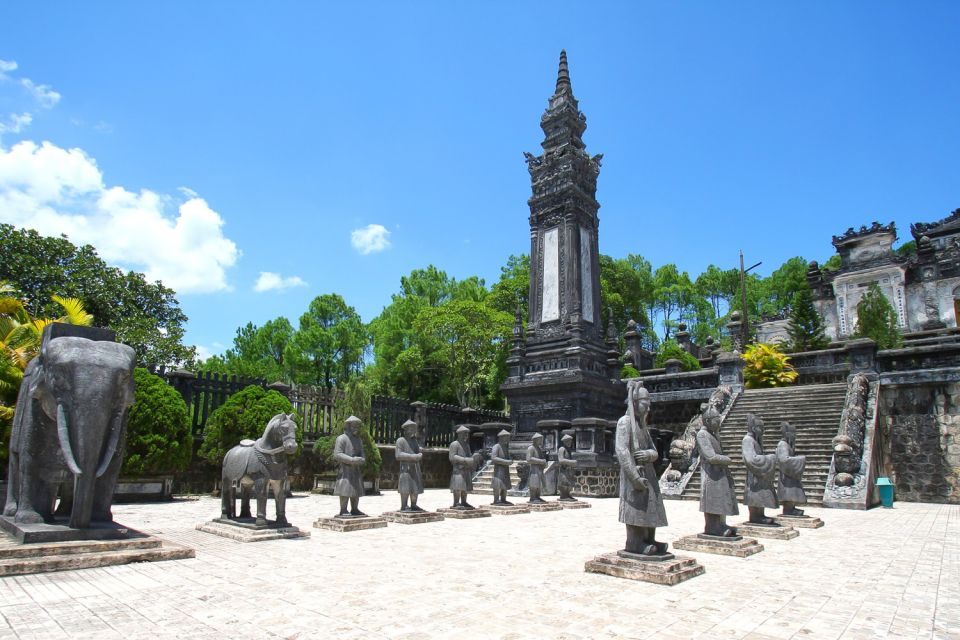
column 63, row 433
column 83, row 490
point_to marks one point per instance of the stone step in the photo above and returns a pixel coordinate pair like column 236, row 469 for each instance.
column 43, row 558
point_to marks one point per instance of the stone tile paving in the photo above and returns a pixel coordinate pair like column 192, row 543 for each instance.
column 886, row 573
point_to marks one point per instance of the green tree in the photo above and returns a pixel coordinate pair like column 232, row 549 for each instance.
column 145, row 315
column 674, row 295
column 466, row 340
column 513, row 288
column 719, row 287
column 329, row 345
column 783, row 284
column 670, row 350
column 622, row 292
column 158, row 428
column 257, row 352
column 877, row 319
column 833, row 263
column 245, row 414
column 806, row 326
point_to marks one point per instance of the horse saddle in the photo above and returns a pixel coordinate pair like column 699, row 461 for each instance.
column 247, row 442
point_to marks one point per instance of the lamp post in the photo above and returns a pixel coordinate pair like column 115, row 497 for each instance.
column 743, row 299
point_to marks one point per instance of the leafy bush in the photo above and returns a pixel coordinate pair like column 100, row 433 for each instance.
column 244, row 415
column 877, row 319
column 765, row 366
column 669, row 349
column 628, row 372
column 158, row 429
column 354, row 401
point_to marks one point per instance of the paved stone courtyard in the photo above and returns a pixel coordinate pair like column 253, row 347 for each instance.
column 883, row 573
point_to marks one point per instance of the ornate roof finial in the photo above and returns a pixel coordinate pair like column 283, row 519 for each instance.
column 563, row 75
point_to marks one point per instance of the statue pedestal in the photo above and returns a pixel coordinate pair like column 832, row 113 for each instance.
column 17, row 558
column 543, row 506
column 573, row 504
column 506, row 509
column 60, row 531
column 463, row 514
column 352, row 523
column 665, row 569
column 247, row 530
column 736, row 546
column 770, row 531
column 412, row 517
column 800, row 522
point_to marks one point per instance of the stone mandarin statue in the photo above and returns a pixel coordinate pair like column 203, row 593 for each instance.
column 565, row 472
column 348, row 452
column 718, row 497
column 759, row 492
column 790, row 488
column 410, row 483
column 500, row 457
column 464, row 464
column 537, row 462
column 641, row 506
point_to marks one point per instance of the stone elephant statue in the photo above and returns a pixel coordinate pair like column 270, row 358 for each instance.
column 70, row 424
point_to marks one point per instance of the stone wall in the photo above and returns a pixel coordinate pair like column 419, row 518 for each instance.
column 921, row 423
column 597, row 482
column 435, row 467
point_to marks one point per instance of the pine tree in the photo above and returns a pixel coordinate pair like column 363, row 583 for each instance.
column 877, row 319
column 806, row 325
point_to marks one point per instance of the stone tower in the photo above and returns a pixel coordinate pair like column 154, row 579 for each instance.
column 563, row 368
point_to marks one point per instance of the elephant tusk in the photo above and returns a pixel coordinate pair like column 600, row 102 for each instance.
column 116, row 427
column 64, row 435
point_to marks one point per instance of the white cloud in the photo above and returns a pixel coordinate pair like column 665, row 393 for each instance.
column 42, row 93
column 5, row 66
column 203, row 352
column 372, row 238
column 16, row 123
column 55, row 190
column 269, row 281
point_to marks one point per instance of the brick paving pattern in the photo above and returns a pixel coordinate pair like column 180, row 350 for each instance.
column 886, row 573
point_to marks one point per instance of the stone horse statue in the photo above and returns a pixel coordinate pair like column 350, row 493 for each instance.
column 259, row 465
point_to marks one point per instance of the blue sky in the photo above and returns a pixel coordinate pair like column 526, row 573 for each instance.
column 210, row 143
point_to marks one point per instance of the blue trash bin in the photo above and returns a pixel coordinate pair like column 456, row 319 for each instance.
column 886, row 491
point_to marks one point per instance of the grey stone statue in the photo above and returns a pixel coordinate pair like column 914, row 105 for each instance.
column 537, row 462
column 410, row 482
column 759, row 492
column 70, row 424
column 500, row 457
column 641, row 506
column 790, row 488
column 718, row 496
column 259, row 466
column 348, row 452
column 565, row 469
column 464, row 463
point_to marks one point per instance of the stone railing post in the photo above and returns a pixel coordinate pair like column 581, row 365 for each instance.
column 182, row 381
column 730, row 370
column 280, row 387
column 862, row 354
column 673, row 366
column 420, row 417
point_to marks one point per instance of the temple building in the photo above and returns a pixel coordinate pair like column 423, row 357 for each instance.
column 923, row 286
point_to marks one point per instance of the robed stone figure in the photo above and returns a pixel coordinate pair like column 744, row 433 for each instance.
column 500, row 457
column 565, row 471
column 463, row 464
column 348, row 453
column 718, row 496
column 790, row 487
column 641, row 506
column 759, row 492
column 410, row 481
column 537, row 462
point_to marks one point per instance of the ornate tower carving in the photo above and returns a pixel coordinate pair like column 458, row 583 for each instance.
column 562, row 371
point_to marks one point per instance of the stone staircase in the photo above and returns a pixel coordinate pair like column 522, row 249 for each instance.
column 483, row 481
column 813, row 409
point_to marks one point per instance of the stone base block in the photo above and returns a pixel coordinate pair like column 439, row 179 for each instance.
column 60, row 531
column 412, row 517
column 246, row 530
column 737, row 546
column 772, row 532
column 543, row 506
column 666, row 569
column 464, row 514
column 507, row 509
column 800, row 522
column 17, row 559
column 358, row 523
column 576, row 504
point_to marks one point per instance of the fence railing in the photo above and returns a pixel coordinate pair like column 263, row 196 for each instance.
column 205, row 392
